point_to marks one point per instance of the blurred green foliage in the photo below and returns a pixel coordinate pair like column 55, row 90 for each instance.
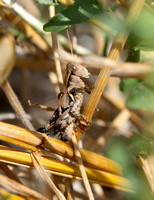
column 124, row 151
column 141, row 97
column 5, row 197
column 17, row 33
column 127, row 84
column 142, row 37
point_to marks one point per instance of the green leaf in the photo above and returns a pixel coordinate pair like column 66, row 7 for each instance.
column 46, row 2
column 141, row 97
column 80, row 11
column 127, row 84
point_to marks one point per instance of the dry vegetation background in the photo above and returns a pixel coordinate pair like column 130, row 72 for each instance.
column 117, row 149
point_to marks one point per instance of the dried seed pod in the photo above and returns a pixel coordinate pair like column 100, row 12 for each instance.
column 7, row 56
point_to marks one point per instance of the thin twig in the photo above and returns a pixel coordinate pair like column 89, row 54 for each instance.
column 45, row 176
column 14, row 101
column 81, row 166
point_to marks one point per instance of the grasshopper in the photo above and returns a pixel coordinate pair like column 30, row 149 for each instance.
column 65, row 118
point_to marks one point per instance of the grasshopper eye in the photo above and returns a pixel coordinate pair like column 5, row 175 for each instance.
column 74, row 67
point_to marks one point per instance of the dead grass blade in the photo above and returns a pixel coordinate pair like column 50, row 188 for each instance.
column 147, row 166
column 66, row 169
column 18, row 188
column 81, row 167
column 104, row 74
column 22, row 137
column 45, row 176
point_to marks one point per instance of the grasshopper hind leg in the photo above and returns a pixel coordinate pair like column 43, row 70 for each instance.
column 42, row 130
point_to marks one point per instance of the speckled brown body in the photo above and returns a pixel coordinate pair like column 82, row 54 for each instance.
column 65, row 117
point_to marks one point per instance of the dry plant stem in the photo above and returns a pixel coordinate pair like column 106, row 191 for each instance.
column 96, row 63
column 81, row 167
column 62, row 168
column 19, row 188
column 36, row 139
column 93, row 63
column 104, row 74
column 55, row 48
column 13, row 99
column 45, row 176
column 18, row 143
column 96, row 93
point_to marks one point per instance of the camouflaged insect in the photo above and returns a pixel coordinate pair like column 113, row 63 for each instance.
column 65, row 118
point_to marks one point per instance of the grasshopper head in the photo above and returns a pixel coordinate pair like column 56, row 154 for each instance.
column 78, row 70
